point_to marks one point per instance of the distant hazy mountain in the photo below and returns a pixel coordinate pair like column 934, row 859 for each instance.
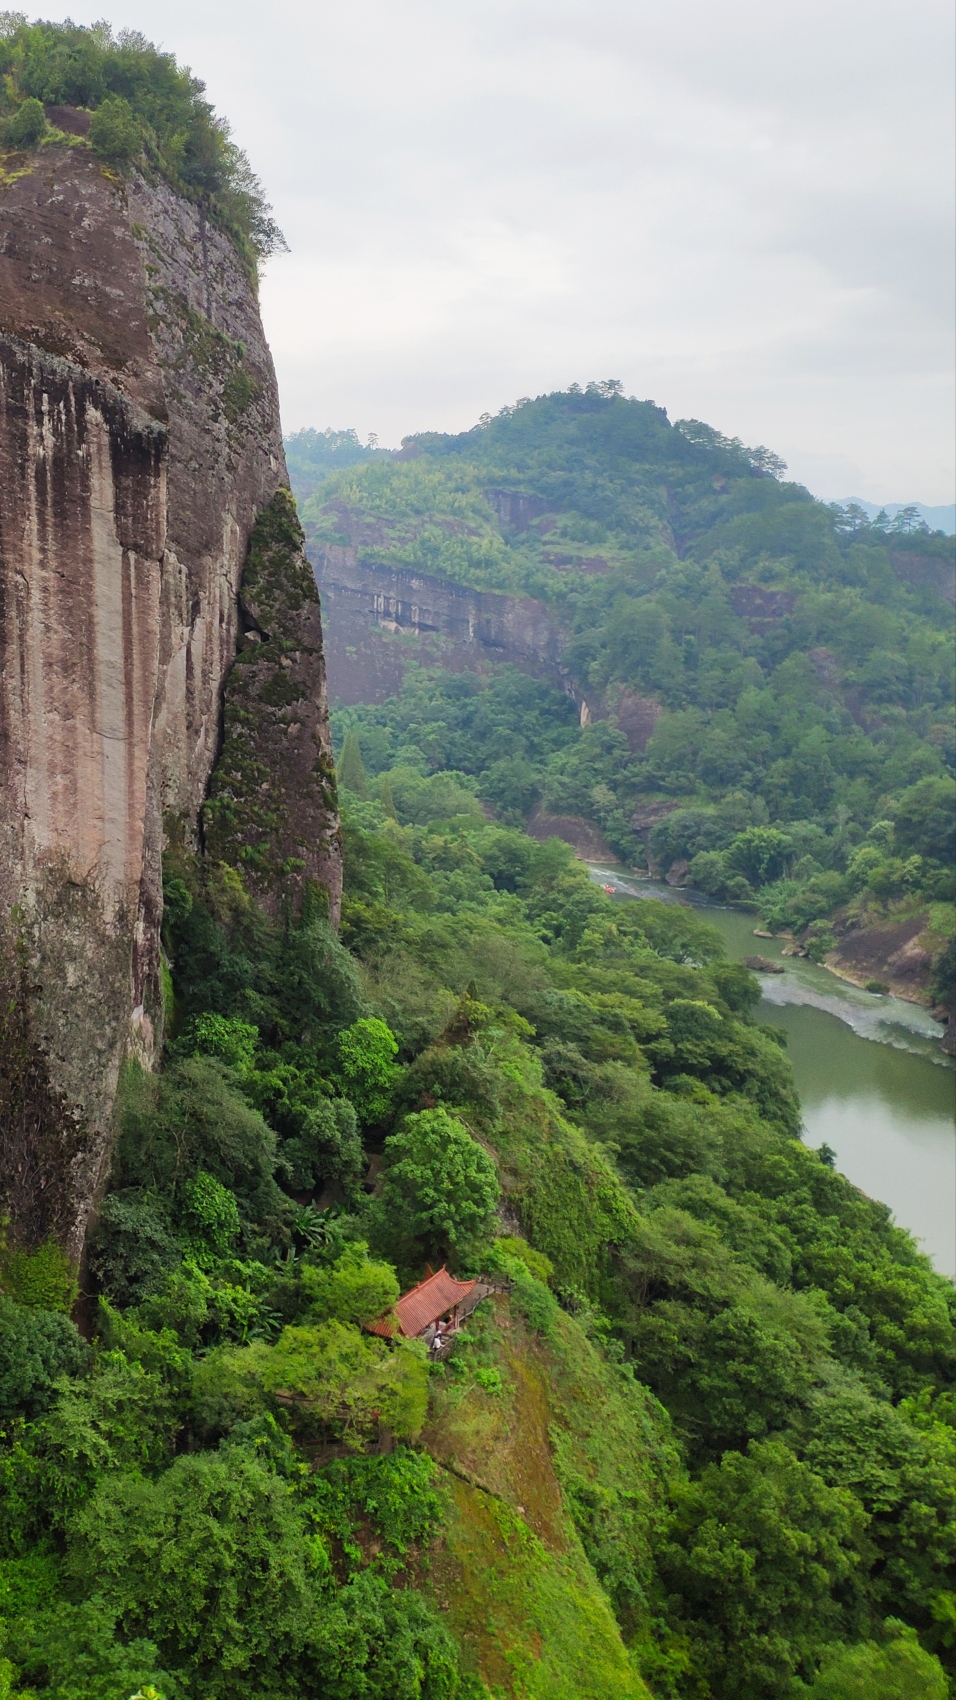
column 938, row 519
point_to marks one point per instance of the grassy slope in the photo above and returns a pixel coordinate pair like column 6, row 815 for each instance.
column 523, row 1599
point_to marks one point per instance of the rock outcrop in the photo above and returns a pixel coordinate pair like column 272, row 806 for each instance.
column 139, row 444
column 893, row 953
column 380, row 617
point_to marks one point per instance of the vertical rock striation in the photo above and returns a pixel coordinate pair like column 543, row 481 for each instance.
column 139, row 444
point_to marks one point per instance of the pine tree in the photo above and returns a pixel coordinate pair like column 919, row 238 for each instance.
column 386, row 799
column 351, row 771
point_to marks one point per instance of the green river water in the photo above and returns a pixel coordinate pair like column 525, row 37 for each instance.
column 873, row 1081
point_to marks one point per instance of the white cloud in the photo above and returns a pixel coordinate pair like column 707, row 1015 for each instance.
column 743, row 211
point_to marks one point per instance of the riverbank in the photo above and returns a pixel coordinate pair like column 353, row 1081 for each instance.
column 875, row 1083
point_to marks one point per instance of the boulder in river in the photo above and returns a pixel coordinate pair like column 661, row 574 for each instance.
column 763, row 965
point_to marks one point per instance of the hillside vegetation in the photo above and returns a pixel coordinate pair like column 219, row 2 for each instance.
column 702, row 1446
column 144, row 111
column 769, row 680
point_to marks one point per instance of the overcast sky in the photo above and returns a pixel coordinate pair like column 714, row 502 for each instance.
column 743, row 210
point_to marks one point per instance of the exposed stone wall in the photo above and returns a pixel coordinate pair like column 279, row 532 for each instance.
column 139, row 440
column 82, row 521
column 378, row 618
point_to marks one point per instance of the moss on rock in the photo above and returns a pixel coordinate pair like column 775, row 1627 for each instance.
column 272, row 810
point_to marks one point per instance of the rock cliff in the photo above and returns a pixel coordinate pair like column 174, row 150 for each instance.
column 380, row 617
column 139, row 449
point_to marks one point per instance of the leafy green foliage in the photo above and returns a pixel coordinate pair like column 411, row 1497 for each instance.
column 131, row 1245
column 713, row 1399
column 500, row 731
column 114, row 132
column 350, row 768
column 901, row 1470
column 213, row 1561
column 220, row 1563
column 311, row 455
column 365, row 1053
column 194, row 1118
column 347, row 1380
column 227, row 1037
column 355, row 1288
column 73, row 1652
column 295, row 983
column 439, row 1187
column 143, row 104
column 759, row 1554
column 399, row 1496
column 211, row 1211
column 27, row 125
column 36, row 1348
column 899, row 1671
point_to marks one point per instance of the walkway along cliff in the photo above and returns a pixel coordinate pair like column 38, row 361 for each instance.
column 157, row 616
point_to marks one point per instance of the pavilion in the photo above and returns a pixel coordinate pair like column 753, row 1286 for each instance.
column 439, row 1298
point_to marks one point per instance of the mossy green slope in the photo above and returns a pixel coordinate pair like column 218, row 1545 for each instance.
column 526, row 1470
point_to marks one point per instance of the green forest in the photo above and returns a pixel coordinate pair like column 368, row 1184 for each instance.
column 697, row 1441
column 800, row 658
column 747, row 1483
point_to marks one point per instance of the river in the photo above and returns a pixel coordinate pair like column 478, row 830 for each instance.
column 874, row 1083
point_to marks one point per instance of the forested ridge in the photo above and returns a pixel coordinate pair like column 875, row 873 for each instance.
column 697, row 1443
column 710, row 1424
column 789, row 665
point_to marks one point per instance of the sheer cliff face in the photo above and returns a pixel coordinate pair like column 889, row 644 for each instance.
column 382, row 617
column 139, row 442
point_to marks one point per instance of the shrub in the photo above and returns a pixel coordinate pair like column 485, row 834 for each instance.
column 131, row 1246
column 213, row 1562
column 115, row 132
column 36, row 1348
column 119, row 1417
column 345, row 1381
column 73, row 1652
column 327, row 1146
column 193, row 1117
column 355, row 1289
column 227, row 1037
column 211, row 1211
column 325, row 1378
column 509, row 1247
column 384, row 1644
column 400, row 1495
column 27, row 125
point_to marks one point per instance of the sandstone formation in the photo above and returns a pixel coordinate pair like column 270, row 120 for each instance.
column 380, row 617
column 139, row 441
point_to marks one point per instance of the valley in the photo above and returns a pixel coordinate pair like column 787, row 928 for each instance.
column 314, row 1018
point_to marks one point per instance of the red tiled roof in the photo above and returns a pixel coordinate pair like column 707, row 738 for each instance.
column 425, row 1303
